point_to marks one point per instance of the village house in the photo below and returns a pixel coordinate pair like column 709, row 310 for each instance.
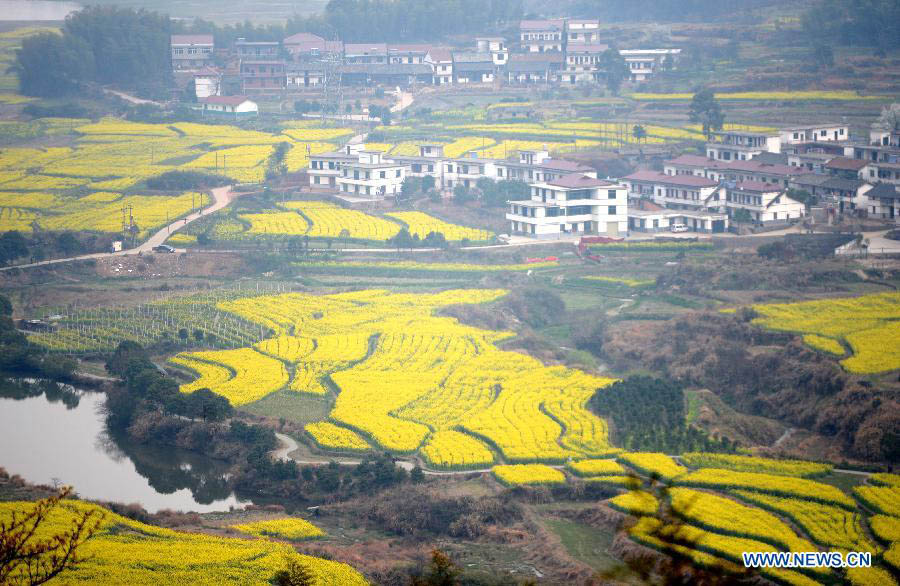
column 647, row 217
column 230, row 106
column 814, row 133
column 364, row 53
column 442, row 60
column 846, row 194
column 883, row 201
column 262, row 76
column 310, row 47
column 733, row 170
column 644, row 63
column 765, row 202
column 429, row 162
column 473, row 68
column 496, row 46
column 257, row 50
column 371, row 175
column 689, row 192
column 541, row 36
column 847, row 168
column 325, row 168
column 583, row 64
column 191, row 52
column 467, row 171
column 573, row 204
column 512, row 112
column 537, row 166
column 741, row 145
column 534, row 68
column 388, row 74
column 304, row 74
column 582, row 32
column 207, row 82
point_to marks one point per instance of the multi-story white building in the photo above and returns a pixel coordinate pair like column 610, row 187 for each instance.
column 371, row 175
column 643, row 63
column 541, row 36
column 191, row 52
column 814, row 133
column 537, row 166
column 325, row 168
column 572, row 204
column 685, row 192
column 582, row 32
column 765, row 202
column 583, row 63
column 467, row 171
column 442, row 60
column 496, row 46
column 741, row 145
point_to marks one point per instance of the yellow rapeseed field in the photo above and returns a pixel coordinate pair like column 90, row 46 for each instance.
column 129, row 552
column 292, row 528
column 528, row 474
column 421, row 224
column 869, row 324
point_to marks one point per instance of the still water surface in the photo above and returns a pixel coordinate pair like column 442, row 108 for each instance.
column 64, row 439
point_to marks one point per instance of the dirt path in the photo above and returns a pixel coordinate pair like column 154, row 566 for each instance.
column 129, row 98
column 222, row 196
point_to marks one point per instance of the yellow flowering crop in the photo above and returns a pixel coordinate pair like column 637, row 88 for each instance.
column 628, row 282
column 885, row 478
column 317, row 134
column 825, row 524
column 129, row 552
column 868, row 323
column 455, row 450
column 329, row 220
column 882, row 499
column 422, row 224
column 635, row 502
column 649, row 463
column 528, row 474
column 724, row 515
column 595, row 467
column 426, row 374
column 767, row 483
column 292, row 528
column 252, row 375
column 755, row 464
column 412, row 266
column 829, row 345
column 277, row 223
column 331, row 436
column 885, row 527
column 461, row 146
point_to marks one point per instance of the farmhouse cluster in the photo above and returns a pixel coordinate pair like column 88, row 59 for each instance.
column 745, row 175
column 554, row 52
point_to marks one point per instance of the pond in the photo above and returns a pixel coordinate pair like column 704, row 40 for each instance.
column 48, row 436
column 35, row 10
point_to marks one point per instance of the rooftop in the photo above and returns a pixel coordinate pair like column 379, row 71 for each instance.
column 365, row 48
column 679, row 180
column 578, row 181
column 555, row 24
column 845, row 164
column 842, row 184
column 387, row 68
column 563, row 165
column 441, row 54
column 592, row 48
column 225, row 100
column 304, row 38
column 757, row 186
column 192, row 39
column 883, row 191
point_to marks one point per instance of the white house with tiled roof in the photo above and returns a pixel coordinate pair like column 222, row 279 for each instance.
column 765, row 202
column 691, row 192
column 573, row 204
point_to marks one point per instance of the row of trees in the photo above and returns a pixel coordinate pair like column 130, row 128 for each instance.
column 649, row 414
column 869, row 23
column 102, row 44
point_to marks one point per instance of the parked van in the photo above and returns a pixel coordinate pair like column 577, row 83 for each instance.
column 678, row 228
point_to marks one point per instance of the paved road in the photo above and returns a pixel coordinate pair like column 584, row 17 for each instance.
column 222, row 196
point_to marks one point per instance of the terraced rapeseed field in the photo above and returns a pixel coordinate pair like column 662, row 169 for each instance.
column 756, row 464
column 528, row 474
column 421, row 224
column 408, row 381
column 291, row 528
column 869, row 324
column 128, row 552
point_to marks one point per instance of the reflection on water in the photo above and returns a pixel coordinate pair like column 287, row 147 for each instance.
column 51, row 434
column 35, row 9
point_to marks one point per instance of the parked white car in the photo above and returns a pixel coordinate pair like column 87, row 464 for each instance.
column 678, row 228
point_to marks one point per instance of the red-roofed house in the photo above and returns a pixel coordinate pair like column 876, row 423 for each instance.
column 573, row 204
column 442, row 58
column 847, row 168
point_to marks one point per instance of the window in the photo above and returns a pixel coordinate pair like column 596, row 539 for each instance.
column 611, row 194
column 612, row 210
column 397, row 173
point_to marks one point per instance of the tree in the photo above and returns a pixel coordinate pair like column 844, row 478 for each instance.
column 741, row 216
column 416, row 475
column 183, row 334
column 51, row 65
column 461, row 194
column 411, row 186
column 198, row 335
column 441, row 571
column 427, row 183
column 6, row 307
column 68, row 243
column 890, row 118
column 616, row 69
column 26, row 558
column 295, row 573
column 706, row 110
column 12, row 246
column 639, row 132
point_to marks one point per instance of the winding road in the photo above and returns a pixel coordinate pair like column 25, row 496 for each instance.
column 222, row 196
